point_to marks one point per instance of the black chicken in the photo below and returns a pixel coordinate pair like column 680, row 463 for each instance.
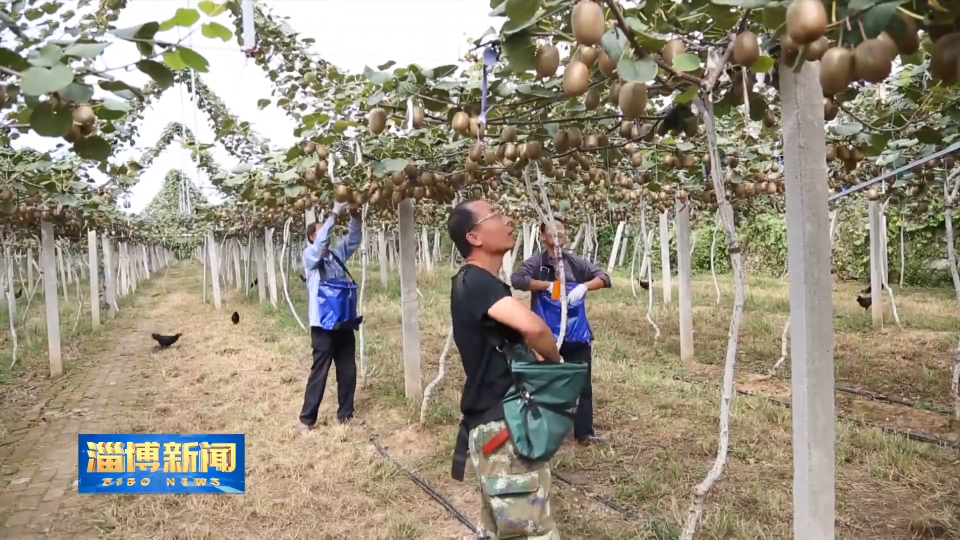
column 645, row 285
column 865, row 301
column 254, row 284
column 235, row 318
column 166, row 341
column 869, row 289
column 303, row 279
column 19, row 293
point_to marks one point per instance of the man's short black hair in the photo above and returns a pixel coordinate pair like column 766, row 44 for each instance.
column 311, row 228
column 460, row 222
column 556, row 219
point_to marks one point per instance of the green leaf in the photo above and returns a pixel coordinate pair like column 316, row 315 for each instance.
column 93, row 147
column 38, row 81
column 77, row 93
column 876, row 19
column 185, row 17
column 377, row 77
column 521, row 10
column 686, row 62
column 115, row 105
column 293, row 191
column 860, row 5
column 50, row 122
column 211, row 9
column 393, row 165
column 67, row 199
column 47, row 56
column 121, row 89
column 193, row 59
column 929, row 135
column 636, row 24
column 846, row 130
column 172, row 59
column 241, row 168
column 144, row 31
column 160, row 73
column 629, row 69
column 763, row 64
column 85, row 50
column 613, row 43
column 12, row 60
column 216, row 30
column 262, row 103
column 520, row 52
column 687, row 96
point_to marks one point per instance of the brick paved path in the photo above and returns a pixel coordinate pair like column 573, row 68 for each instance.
column 38, row 459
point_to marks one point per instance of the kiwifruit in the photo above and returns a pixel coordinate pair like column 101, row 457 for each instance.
column 625, row 127
column 688, row 162
column 843, row 153
column 732, row 161
column 560, row 142
column 574, row 137
column 636, row 159
column 671, row 50
column 510, row 151
column 476, row 151
column 769, row 119
column 490, row 157
column 944, row 58
column 410, row 170
column 806, row 21
column 608, row 66
column 322, row 152
column 690, row 126
column 590, row 142
column 587, row 22
column 836, row 70
column 746, row 49
column 891, row 44
column 633, row 99
column 872, row 194
column 417, row 117
column 548, row 60
column 591, row 100
column 84, row 115
column 341, row 193
column 576, row 78
column 671, row 162
column 614, row 93
column 909, row 41
column 73, row 134
column 830, row 109
column 461, row 122
column 477, row 130
column 857, row 155
column 309, row 148
column 377, row 120
column 602, row 140
column 788, row 50
column 532, row 151
column 587, row 55
column 509, row 134
column 816, row 49
column 871, row 60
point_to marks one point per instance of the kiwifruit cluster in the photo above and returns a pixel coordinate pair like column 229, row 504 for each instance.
column 84, row 124
column 849, row 156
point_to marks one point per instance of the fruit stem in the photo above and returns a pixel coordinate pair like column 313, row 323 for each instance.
column 909, row 13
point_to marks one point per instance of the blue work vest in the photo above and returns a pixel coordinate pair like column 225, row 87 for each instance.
column 548, row 309
column 337, row 301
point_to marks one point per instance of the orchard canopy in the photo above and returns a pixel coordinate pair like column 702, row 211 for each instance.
column 603, row 98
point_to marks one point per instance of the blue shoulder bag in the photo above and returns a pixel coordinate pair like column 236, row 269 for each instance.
column 337, row 300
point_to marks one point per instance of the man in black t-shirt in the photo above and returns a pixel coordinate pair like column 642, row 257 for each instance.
column 515, row 492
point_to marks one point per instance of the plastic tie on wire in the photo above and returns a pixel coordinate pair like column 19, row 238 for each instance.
column 490, row 58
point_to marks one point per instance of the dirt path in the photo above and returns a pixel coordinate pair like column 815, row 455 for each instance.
column 38, row 461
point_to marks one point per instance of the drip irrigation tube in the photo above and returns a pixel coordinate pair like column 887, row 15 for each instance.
column 603, row 500
column 422, row 484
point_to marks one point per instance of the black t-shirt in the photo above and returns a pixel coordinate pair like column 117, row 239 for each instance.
column 488, row 376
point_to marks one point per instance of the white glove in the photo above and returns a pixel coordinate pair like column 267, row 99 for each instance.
column 338, row 207
column 577, row 294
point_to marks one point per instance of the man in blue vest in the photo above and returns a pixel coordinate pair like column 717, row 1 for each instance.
column 332, row 340
column 537, row 275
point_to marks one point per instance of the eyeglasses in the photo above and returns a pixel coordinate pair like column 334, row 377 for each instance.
column 495, row 213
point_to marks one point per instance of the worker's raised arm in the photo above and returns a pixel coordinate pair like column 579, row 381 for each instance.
column 347, row 246
column 536, row 333
column 587, row 273
column 315, row 250
column 522, row 279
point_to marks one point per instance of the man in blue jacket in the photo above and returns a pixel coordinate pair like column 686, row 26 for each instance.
column 323, row 263
column 536, row 275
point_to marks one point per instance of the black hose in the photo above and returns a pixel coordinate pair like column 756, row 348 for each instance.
column 422, row 484
column 600, row 498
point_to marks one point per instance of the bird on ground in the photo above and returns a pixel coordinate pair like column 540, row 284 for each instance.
column 865, row 301
column 19, row 293
column 166, row 341
column 303, row 279
column 645, row 285
column 235, row 317
column 254, row 284
column 869, row 289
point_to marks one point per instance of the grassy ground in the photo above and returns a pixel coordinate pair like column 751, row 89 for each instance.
column 663, row 432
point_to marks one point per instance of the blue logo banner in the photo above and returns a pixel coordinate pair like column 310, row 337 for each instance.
column 160, row 463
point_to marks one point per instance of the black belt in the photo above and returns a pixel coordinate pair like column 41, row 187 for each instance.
column 462, row 449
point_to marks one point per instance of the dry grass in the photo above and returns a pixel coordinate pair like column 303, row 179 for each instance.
column 249, row 379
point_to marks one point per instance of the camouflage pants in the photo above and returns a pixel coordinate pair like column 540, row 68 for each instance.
column 515, row 492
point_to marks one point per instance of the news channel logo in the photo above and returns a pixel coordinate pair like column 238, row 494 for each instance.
column 160, row 463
